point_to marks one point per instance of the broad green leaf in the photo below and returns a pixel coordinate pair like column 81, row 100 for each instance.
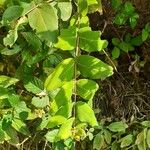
column 6, row 81
column 98, row 142
column 67, row 39
column 32, row 39
column 65, row 129
column 20, row 126
column 83, row 7
column 136, row 41
column 90, row 41
column 85, row 113
column 12, row 12
column 115, row 146
column 40, row 102
column 147, row 27
column 44, row 20
column 107, row 136
column 117, row 126
column 146, row 123
column 55, row 121
column 93, row 68
column 126, row 141
column 65, row 10
column 145, row 35
column 115, row 53
column 51, row 136
column 86, row 88
column 14, row 50
column 35, row 86
column 148, row 138
column 141, row 137
column 62, row 74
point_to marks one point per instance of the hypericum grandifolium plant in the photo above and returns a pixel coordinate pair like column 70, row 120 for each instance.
column 48, row 86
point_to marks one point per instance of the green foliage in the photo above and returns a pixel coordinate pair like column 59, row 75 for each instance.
column 47, row 91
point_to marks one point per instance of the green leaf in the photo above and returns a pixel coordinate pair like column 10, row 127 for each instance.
column 34, row 86
column 44, row 20
column 133, row 20
column 14, row 50
column 12, row 12
column 93, row 68
column 67, row 39
column 6, row 81
column 137, row 41
column 32, row 39
column 90, row 40
column 51, row 136
column 55, row 121
column 83, row 7
column 126, row 141
column 65, row 10
column 147, row 27
column 115, row 53
column 65, row 129
column 146, row 123
column 107, row 136
column 12, row 35
column 148, row 138
column 63, row 73
column 20, row 126
column 120, row 19
column 129, row 9
column 145, row 35
column 86, row 88
column 116, row 4
column 117, row 126
column 40, row 102
column 98, row 141
column 115, row 41
column 85, row 114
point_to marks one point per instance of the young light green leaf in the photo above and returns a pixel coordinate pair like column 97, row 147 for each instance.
column 51, row 136
column 65, row 10
column 67, row 39
column 65, row 129
column 86, row 88
column 14, row 50
column 146, row 123
column 117, row 126
column 62, row 74
column 40, row 102
column 93, row 68
column 85, row 113
column 126, row 141
column 98, row 142
column 107, row 136
column 6, row 81
column 44, row 20
column 2, row 136
column 148, row 138
column 55, row 121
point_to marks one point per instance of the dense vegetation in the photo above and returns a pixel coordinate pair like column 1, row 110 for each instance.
column 59, row 67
